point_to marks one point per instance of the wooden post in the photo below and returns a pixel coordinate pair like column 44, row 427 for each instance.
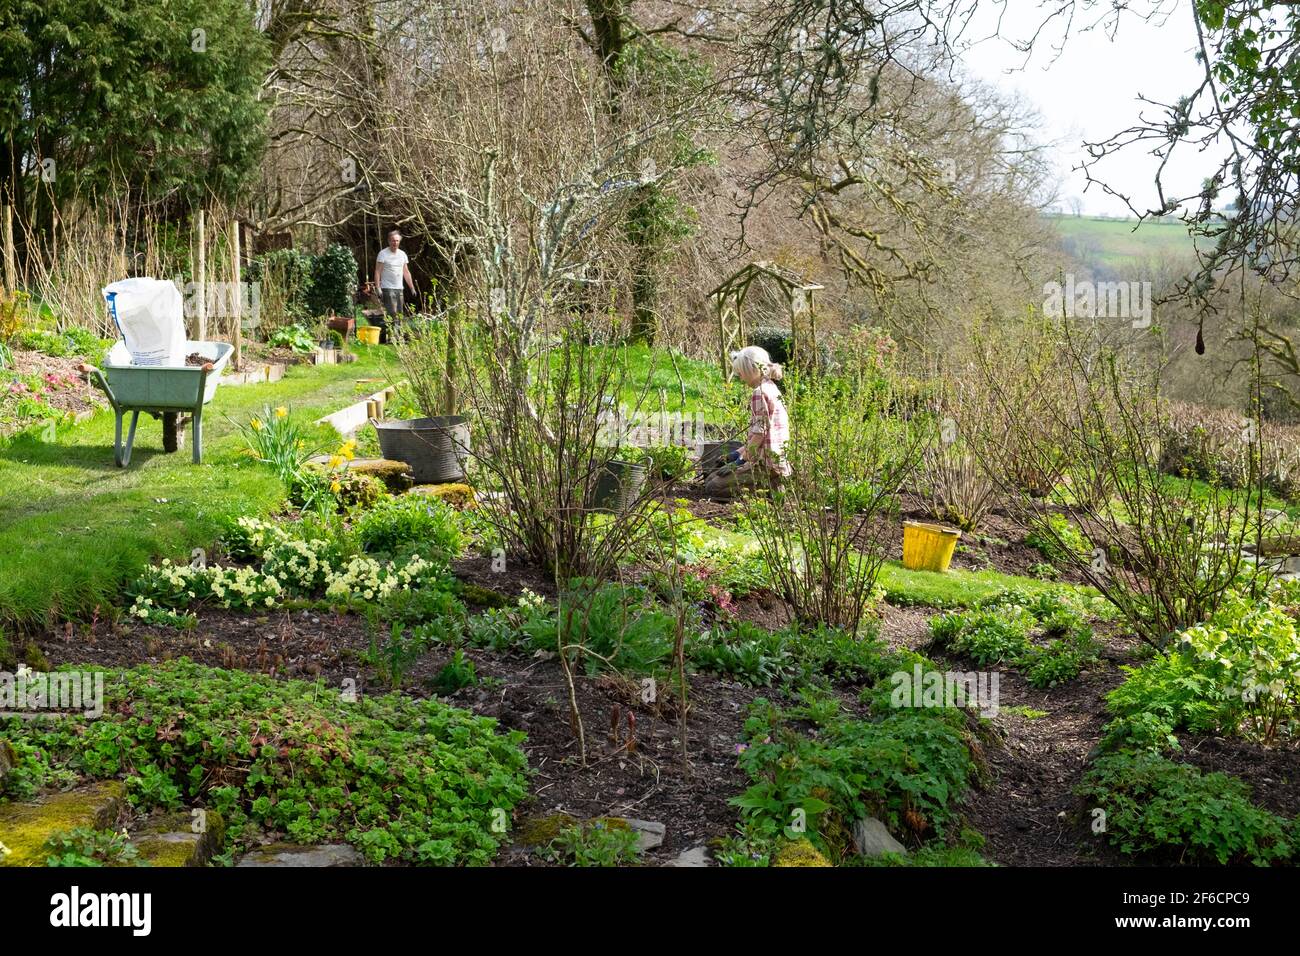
column 237, row 300
column 11, row 274
column 449, row 393
column 812, row 330
column 201, row 280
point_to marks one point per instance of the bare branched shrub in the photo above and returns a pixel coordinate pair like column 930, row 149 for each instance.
column 427, row 363
column 823, row 532
column 1208, row 443
column 1166, row 548
column 954, row 469
column 543, row 438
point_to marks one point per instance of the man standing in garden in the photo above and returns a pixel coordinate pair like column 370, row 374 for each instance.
column 391, row 274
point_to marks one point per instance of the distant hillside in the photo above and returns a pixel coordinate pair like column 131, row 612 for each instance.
column 1111, row 245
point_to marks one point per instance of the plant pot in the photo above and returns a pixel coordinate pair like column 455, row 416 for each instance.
column 618, row 485
column 435, row 448
column 928, row 547
column 343, row 324
column 714, row 453
column 368, row 335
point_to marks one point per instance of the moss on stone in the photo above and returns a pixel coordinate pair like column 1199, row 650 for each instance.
column 609, row 823
column 456, row 494
column 395, row 475
column 26, row 826
column 480, row 596
column 170, row 840
column 799, row 853
column 539, row 831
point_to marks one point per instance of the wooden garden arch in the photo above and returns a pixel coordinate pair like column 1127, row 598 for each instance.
column 729, row 307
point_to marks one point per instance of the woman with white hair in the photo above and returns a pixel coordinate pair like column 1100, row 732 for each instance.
column 761, row 462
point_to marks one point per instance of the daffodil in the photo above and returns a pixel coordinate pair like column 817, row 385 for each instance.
column 257, row 424
column 335, row 461
column 281, row 412
column 335, row 485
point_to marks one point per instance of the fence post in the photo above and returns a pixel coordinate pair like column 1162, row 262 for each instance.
column 237, row 299
column 11, row 275
column 202, row 279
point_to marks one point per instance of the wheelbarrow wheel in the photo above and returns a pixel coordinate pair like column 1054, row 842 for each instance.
column 173, row 430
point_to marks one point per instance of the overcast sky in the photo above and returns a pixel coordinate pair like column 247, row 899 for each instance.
column 1091, row 92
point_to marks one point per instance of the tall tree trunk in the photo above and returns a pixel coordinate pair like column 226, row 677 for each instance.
column 609, row 40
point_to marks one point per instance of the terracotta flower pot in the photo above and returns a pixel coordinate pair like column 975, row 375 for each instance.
column 343, row 324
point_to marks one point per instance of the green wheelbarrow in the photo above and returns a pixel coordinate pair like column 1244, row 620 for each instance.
column 166, row 392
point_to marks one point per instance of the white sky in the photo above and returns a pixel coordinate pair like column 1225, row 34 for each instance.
column 1091, row 91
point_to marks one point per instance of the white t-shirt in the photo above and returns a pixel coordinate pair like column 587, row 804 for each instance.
column 393, row 263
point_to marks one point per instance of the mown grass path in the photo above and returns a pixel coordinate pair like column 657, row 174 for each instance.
column 74, row 527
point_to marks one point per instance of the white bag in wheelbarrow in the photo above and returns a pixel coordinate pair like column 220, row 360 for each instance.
column 151, row 317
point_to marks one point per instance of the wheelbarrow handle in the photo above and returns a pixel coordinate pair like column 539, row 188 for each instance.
column 94, row 376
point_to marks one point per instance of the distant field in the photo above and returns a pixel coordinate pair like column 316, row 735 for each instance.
column 1114, row 243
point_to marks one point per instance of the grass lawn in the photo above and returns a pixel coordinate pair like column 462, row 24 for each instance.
column 74, row 528
column 953, row 589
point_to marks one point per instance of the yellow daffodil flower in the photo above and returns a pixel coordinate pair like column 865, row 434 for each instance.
column 281, row 412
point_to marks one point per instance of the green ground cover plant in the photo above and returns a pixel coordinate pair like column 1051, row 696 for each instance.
column 1045, row 635
column 909, row 767
column 1238, row 675
column 400, row 778
column 1153, row 805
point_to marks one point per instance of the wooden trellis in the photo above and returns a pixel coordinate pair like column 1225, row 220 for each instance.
column 729, row 307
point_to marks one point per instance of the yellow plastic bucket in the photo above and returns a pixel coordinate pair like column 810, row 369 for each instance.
column 368, row 334
column 928, row 547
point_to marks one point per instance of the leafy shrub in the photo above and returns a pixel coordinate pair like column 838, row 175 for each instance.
column 779, row 345
column 408, row 523
column 1154, row 805
column 430, row 604
column 1063, row 538
column 670, row 462
column 296, row 337
column 400, row 778
column 986, row 636
column 530, row 622
column 736, row 563
column 1045, row 667
column 615, row 626
column 284, row 277
column 72, row 342
column 909, row 768
column 1002, row 629
column 333, row 281
column 1238, row 674
column 775, row 341
column 760, row 658
column 745, row 653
